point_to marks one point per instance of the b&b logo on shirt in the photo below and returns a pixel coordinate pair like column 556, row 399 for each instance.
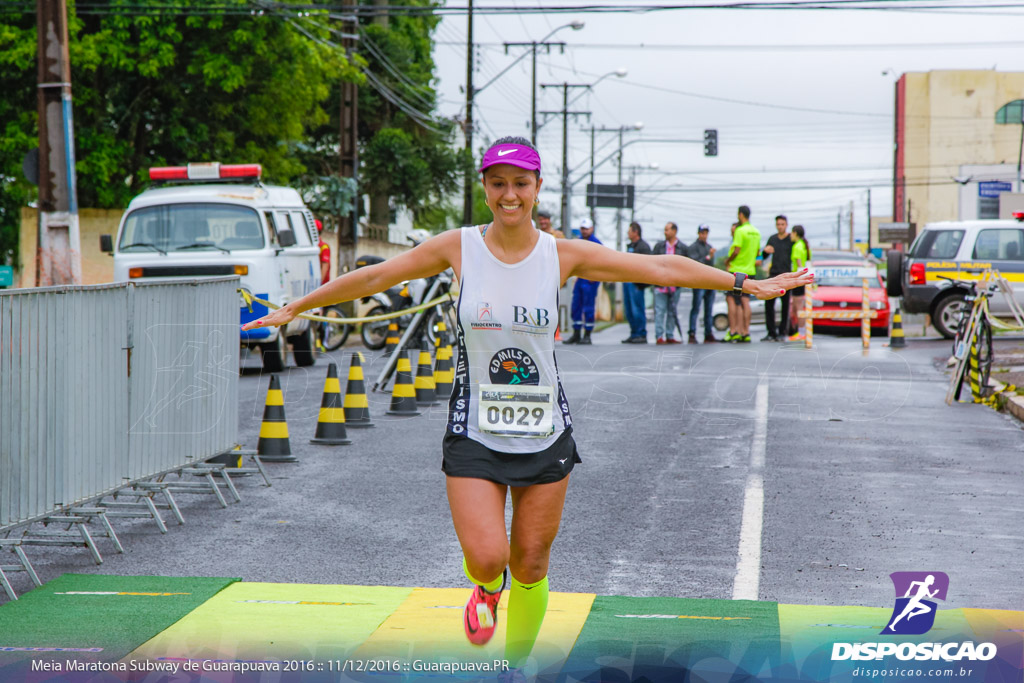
column 527, row 321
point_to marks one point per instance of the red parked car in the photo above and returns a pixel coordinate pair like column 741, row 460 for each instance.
column 837, row 292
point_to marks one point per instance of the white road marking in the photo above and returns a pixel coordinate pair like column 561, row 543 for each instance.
column 748, row 564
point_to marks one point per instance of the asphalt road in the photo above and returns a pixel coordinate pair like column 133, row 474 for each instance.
column 863, row 471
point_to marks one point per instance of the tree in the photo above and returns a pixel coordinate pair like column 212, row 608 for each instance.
column 407, row 154
column 165, row 85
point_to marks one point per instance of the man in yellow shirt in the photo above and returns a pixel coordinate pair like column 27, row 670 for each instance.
column 742, row 258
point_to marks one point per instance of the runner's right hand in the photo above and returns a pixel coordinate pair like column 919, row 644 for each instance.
column 281, row 316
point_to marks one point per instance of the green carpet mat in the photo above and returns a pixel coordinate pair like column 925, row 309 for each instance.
column 101, row 618
column 638, row 637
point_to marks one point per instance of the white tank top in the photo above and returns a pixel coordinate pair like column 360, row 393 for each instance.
column 506, row 317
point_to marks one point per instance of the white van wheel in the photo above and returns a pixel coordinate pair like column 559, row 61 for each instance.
column 275, row 353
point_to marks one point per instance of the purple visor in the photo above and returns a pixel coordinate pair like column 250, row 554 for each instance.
column 516, row 155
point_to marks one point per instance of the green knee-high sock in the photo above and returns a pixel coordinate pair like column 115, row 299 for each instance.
column 491, row 587
column 527, row 603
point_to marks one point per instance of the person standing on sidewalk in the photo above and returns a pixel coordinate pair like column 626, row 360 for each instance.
column 799, row 257
column 702, row 252
column 666, row 299
column 778, row 250
column 746, row 246
column 633, row 292
column 544, row 225
column 584, row 295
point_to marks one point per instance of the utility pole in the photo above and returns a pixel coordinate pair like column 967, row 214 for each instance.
column 349, row 149
column 593, row 209
column 467, row 194
column 533, row 45
column 869, row 220
column 852, row 241
column 618, row 211
column 839, row 228
column 58, row 248
column 565, row 114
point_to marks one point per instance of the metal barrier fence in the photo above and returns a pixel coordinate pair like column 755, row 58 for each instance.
column 104, row 385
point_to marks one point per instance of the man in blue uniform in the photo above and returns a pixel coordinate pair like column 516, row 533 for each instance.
column 584, row 294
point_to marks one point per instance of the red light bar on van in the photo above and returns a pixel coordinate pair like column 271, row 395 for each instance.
column 1019, row 215
column 206, row 171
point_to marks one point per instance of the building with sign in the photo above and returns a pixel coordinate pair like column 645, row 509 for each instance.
column 958, row 137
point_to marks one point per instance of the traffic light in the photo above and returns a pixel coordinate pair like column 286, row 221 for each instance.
column 711, row 142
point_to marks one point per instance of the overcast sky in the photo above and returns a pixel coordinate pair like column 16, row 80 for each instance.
column 798, row 98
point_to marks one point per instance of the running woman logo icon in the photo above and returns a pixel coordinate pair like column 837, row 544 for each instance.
column 915, row 608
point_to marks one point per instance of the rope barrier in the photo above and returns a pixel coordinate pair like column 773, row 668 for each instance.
column 249, row 299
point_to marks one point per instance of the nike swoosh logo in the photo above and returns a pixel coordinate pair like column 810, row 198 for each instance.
column 503, row 152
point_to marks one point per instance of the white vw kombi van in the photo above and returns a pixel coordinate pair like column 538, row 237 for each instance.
column 220, row 220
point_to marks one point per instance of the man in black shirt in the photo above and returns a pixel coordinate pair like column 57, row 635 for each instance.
column 702, row 252
column 778, row 249
column 633, row 293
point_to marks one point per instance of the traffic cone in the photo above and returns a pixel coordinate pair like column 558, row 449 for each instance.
column 897, row 340
column 330, row 427
column 426, row 390
column 357, row 407
column 444, row 372
column 558, row 333
column 391, row 342
column 403, row 396
column 273, row 445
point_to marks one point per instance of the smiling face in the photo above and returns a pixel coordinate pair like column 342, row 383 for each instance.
column 511, row 193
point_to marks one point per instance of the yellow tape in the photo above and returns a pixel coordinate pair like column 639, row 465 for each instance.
column 249, row 298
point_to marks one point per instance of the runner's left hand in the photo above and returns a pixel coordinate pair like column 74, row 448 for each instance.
column 779, row 285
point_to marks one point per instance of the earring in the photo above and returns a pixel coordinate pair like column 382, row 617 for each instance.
column 536, row 200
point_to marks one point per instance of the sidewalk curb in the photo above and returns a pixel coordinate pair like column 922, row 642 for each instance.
column 1014, row 403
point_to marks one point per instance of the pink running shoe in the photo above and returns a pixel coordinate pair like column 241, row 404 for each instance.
column 481, row 615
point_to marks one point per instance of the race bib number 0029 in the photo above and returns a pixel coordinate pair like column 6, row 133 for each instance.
column 516, row 410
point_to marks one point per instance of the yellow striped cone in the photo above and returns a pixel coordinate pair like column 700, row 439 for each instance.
column 391, row 342
column 426, row 390
column 330, row 427
column 231, row 458
column 973, row 374
column 444, row 372
column 273, row 445
column 897, row 340
column 357, row 406
column 403, row 396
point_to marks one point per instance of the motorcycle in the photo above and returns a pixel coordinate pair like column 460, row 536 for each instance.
column 400, row 297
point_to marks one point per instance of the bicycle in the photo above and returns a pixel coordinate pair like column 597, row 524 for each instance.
column 972, row 343
column 333, row 335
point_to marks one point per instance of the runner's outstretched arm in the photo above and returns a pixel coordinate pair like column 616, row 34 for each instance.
column 429, row 258
column 595, row 262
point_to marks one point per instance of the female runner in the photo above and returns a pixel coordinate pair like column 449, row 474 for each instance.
column 509, row 425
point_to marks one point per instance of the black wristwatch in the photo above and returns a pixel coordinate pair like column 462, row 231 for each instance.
column 737, row 287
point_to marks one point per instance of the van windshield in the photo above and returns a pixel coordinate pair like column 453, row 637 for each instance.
column 192, row 227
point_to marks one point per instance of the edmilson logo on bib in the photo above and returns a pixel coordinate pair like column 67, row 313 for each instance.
column 484, row 318
column 513, row 366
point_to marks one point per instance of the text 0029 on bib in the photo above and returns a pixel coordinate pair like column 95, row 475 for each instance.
column 518, row 410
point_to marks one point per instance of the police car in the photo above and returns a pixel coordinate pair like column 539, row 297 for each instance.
column 961, row 250
column 220, row 220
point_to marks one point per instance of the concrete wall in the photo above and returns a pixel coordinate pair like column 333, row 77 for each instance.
column 949, row 121
column 97, row 267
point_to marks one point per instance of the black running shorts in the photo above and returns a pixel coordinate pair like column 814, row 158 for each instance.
column 464, row 457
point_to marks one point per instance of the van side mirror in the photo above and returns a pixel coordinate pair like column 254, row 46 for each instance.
column 286, row 238
column 106, row 244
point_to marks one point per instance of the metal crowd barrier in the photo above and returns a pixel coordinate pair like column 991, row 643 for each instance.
column 103, row 386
